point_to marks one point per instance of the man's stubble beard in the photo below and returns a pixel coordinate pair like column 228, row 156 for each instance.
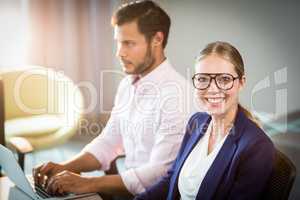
column 149, row 60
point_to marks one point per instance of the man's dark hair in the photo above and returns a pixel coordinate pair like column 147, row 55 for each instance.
column 149, row 16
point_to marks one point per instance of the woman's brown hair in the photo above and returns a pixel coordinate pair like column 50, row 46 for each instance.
column 232, row 55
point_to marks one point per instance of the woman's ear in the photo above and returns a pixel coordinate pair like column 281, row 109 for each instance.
column 242, row 82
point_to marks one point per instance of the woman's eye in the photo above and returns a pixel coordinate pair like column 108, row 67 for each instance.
column 202, row 79
column 225, row 79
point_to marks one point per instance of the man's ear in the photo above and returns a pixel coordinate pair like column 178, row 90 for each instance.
column 158, row 39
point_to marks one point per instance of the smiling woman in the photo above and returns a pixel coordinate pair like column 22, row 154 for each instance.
column 224, row 154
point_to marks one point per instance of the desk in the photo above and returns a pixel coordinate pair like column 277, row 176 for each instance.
column 8, row 191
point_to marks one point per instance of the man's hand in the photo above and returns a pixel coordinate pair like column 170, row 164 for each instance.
column 66, row 181
column 44, row 172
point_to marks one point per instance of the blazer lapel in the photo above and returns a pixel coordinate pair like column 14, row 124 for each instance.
column 196, row 135
column 215, row 173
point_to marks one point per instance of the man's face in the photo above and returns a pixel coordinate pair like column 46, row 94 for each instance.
column 133, row 50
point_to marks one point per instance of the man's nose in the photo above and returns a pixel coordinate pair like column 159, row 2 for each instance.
column 120, row 52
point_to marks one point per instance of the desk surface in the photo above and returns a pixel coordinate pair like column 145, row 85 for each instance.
column 8, row 191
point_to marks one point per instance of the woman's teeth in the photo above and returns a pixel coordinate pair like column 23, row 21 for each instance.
column 215, row 100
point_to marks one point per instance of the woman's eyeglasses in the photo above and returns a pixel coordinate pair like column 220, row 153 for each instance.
column 223, row 81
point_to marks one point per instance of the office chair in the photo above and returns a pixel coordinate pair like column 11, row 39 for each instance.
column 21, row 146
column 282, row 178
column 43, row 108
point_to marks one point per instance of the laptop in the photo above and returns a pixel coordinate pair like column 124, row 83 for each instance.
column 14, row 172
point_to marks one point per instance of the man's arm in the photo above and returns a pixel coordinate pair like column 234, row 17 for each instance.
column 83, row 162
column 96, row 155
column 112, row 185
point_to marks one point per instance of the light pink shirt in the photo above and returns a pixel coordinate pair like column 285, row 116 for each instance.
column 147, row 123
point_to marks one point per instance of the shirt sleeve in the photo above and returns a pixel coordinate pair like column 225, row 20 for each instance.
column 108, row 145
column 168, row 139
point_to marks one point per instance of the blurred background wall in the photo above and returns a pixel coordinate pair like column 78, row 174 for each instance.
column 266, row 33
column 75, row 37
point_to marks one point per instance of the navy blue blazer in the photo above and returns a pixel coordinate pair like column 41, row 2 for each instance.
column 240, row 170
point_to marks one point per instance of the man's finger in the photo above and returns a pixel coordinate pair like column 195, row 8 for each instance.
column 45, row 172
column 47, row 168
column 35, row 173
column 51, row 184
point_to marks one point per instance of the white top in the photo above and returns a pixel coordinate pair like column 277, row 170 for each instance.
column 147, row 123
column 196, row 166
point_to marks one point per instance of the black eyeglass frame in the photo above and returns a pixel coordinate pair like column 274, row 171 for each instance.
column 213, row 77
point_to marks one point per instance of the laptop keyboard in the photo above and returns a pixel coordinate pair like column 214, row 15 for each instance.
column 40, row 190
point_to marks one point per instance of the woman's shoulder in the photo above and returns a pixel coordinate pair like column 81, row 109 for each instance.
column 256, row 135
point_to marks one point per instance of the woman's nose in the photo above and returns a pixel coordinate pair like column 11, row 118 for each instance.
column 213, row 86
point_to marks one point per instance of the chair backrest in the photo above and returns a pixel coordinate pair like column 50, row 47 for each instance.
column 282, row 178
column 36, row 90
